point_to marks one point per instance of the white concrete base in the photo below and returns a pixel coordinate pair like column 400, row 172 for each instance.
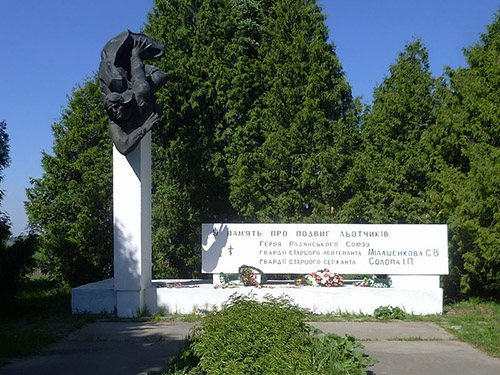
column 319, row 300
column 415, row 281
column 94, row 298
column 132, row 303
column 101, row 298
column 200, row 294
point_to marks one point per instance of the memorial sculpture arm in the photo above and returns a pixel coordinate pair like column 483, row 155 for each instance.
column 126, row 142
column 128, row 87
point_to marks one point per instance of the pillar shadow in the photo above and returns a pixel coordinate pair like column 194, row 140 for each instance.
column 211, row 253
column 126, row 255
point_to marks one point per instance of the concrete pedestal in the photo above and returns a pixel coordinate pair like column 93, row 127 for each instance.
column 416, row 298
column 131, row 291
column 94, row 298
column 132, row 230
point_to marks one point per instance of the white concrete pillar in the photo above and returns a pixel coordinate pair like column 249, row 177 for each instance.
column 132, row 230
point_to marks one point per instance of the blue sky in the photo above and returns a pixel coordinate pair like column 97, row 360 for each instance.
column 49, row 47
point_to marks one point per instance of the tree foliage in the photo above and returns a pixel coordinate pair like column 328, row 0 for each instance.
column 292, row 152
column 16, row 261
column 4, row 219
column 4, row 149
column 259, row 125
column 259, row 120
column 70, row 205
column 4, row 163
column 466, row 144
column 391, row 173
column 391, row 170
column 189, row 185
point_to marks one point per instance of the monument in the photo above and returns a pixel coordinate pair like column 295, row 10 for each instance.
column 414, row 256
column 128, row 86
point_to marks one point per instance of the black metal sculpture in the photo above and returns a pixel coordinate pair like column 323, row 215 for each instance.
column 128, row 87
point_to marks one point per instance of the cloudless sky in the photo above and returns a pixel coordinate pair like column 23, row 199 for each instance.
column 49, row 47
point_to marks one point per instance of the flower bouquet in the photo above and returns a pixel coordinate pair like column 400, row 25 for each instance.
column 324, row 278
column 247, row 276
column 374, row 282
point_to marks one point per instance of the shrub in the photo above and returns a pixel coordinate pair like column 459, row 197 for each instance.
column 269, row 337
column 332, row 354
column 389, row 312
column 15, row 261
column 248, row 337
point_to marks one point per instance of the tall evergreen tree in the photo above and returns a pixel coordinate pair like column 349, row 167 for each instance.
column 260, row 122
column 302, row 130
column 391, row 172
column 204, row 44
column 466, row 145
column 70, row 205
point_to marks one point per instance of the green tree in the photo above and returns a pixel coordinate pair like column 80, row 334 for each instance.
column 259, row 121
column 189, row 176
column 70, row 205
column 466, row 150
column 391, row 173
column 16, row 260
column 5, row 276
column 286, row 162
column 259, row 124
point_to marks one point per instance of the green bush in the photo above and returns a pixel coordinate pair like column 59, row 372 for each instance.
column 269, row 337
column 15, row 261
column 389, row 312
column 332, row 354
column 248, row 337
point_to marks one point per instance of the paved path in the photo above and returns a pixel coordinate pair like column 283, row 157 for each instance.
column 123, row 348
column 107, row 348
column 415, row 348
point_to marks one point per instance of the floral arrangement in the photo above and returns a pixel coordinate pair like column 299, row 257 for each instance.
column 247, row 276
column 324, row 278
column 374, row 282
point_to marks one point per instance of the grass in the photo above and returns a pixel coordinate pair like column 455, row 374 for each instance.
column 39, row 315
column 192, row 318
column 476, row 322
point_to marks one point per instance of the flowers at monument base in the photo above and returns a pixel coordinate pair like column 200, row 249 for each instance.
column 324, row 278
column 374, row 282
column 247, row 276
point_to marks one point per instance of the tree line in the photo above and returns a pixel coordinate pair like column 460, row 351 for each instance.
column 16, row 254
column 260, row 125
